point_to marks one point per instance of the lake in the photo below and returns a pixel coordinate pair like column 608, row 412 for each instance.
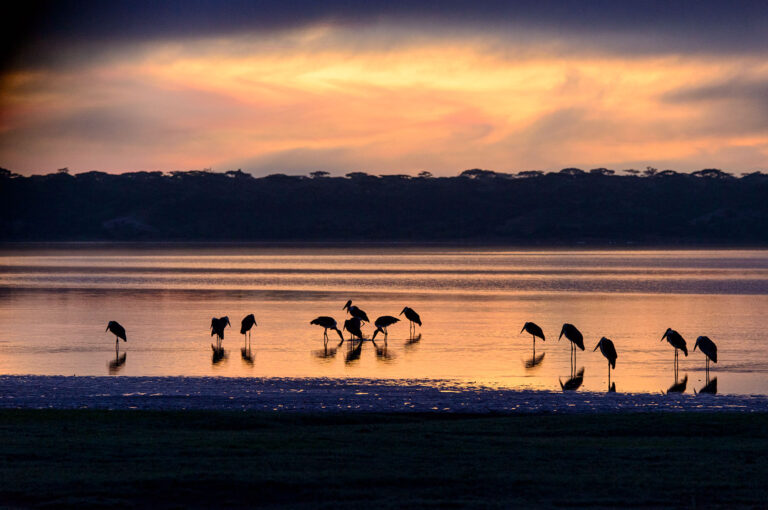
column 55, row 302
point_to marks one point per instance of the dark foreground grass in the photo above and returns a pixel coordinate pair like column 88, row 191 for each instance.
column 223, row 459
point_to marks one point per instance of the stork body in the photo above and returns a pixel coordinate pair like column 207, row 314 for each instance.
column 353, row 326
column 609, row 351
column 116, row 329
column 413, row 319
column 355, row 311
column 709, row 349
column 327, row 323
column 217, row 329
column 246, row 325
column 575, row 337
column 382, row 323
column 677, row 341
column 535, row 331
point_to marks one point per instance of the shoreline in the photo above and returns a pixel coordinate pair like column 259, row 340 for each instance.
column 331, row 395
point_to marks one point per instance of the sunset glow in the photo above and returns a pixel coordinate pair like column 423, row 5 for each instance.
column 383, row 97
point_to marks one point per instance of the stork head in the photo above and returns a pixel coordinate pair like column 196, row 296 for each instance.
column 524, row 326
column 599, row 342
column 347, row 305
column 226, row 320
column 697, row 343
column 562, row 332
column 404, row 309
column 666, row 334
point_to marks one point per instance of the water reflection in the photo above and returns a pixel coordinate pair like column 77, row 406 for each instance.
column 413, row 341
column 383, row 354
column 612, row 388
column 325, row 354
column 534, row 361
column 246, row 355
column 354, row 351
column 574, row 382
column 116, row 364
column 710, row 387
column 679, row 386
column 219, row 354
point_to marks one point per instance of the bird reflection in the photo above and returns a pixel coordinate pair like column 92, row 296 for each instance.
column 383, row 354
column 679, row 386
column 355, row 349
column 247, row 355
column 612, row 388
column 710, row 387
column 413, row 341
column 574, row 383
column 535, row 360
column 218, row 354
column 326, row 353
column 116, row 364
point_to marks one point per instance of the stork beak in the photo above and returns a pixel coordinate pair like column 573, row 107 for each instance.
column 695, row 345
column 598, row 345
column 107, row 328
column 522, row 329
column 663, row 337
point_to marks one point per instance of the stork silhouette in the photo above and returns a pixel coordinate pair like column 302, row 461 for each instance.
column 355, row 311
column 413, row 319
column 709, row 349
column 677, row 341
column 609, row 351
column 116, row 329
column 382, row 323
column 353, row 326
column 248, row 322
column 576, row 338
column 327, row 323
column 574, row 382
column 535, row 331
column 217, row 329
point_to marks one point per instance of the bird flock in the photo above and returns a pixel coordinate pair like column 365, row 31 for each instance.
column 358, row 317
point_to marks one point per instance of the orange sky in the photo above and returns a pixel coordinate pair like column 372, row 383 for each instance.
column 383, row 100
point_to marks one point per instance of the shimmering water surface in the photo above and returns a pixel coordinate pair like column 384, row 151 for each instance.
column 55, row 304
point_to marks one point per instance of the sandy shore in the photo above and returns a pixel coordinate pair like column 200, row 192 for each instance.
column 334, row 395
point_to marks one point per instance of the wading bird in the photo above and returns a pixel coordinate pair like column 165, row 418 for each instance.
column 355, row 311
column 609, row 351
column 677, row 341
column 327, row 323
column 382, row 323
column 353, row 326
column 248, row 322
column 413, row 317
column 576, row 338
column 116, row 329
column 709, row 349
column 535, row 331
column 217, row 328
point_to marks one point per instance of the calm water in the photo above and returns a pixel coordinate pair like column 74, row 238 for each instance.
column 55, row 304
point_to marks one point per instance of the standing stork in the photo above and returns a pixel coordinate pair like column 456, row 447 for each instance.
column 709, row 349
column 535, row 331
column 382, row 323
column 327, row 323
column 217, row 328
column 576, row 338
column 677, row 341
column 353, row 326
column 413, row 318
column 355, row 311
column 248, row 322
column 609, row 351
column 116, row 329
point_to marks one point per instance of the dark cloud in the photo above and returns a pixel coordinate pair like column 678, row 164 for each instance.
column 43, row 28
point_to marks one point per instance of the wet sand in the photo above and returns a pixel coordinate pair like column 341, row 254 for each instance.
column 324, row 395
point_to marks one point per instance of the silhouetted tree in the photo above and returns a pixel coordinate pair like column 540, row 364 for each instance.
column 601, row 171
column 573, row 172
column 425, row 174
column 631, row 171
column 318, row 174
column 650, row 171
column 530, row 173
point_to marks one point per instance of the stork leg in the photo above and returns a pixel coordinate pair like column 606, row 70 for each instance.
column 117, row 345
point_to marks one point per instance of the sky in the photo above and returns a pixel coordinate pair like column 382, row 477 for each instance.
column 384, row 87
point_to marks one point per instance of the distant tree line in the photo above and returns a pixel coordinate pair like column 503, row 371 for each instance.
column 572, row 206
